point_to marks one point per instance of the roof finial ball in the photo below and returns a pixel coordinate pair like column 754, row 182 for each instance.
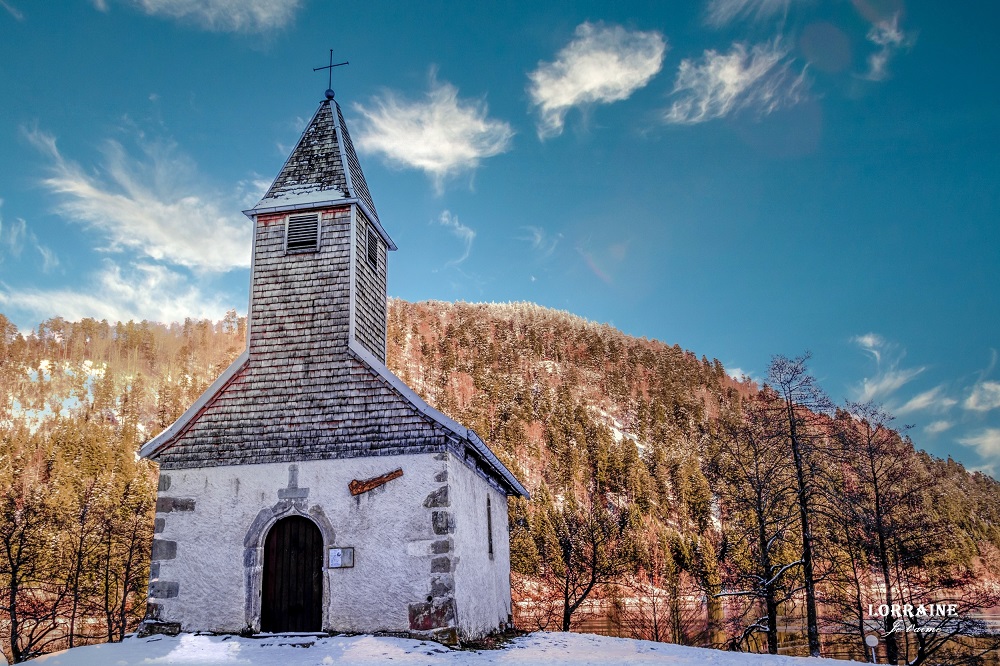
column 329, row 68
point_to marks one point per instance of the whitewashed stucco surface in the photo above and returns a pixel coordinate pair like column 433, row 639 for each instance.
column 482, row 585
column 389, row 528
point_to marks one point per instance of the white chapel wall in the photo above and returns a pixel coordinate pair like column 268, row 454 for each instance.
column 389, row 529
column 482, row 585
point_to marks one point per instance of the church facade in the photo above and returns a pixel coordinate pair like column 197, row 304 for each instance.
column 309, row 489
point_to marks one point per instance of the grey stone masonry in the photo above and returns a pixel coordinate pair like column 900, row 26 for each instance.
column 302, row 394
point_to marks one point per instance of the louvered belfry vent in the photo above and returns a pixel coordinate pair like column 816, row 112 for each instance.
column 302, row 234
column 372, row 248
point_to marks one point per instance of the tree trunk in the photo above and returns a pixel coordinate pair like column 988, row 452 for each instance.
column 812, row 618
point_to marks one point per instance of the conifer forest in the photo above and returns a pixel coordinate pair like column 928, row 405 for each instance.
column 670, row 502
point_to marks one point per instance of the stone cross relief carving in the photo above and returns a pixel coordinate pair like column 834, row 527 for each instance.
column 293, row 491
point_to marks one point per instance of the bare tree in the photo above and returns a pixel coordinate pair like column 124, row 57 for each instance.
column 125, row 534
column 30, row 603
column 588, row 538
column 801, row 400
column 654, row 608
column 758, row 503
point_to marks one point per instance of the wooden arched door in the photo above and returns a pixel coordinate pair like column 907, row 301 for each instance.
column 292, row 589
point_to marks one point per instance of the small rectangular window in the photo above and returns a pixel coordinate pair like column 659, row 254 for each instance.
column 489, row 526
column 302, row 233
column 372, row 248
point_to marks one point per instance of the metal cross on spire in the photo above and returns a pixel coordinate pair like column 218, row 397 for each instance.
column 329, row 85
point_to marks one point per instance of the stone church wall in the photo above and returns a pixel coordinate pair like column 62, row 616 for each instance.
column 482, row 583
column 211, row 525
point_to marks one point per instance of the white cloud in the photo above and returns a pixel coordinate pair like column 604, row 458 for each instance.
column 462, row 232
column 871, row 343
column 153, row 205
column 886, row 382
column 722, row 12
column 249, row 16
column 13, row 237
column 933, row 400
column 49, row 258
column 602, row 64
column 984, row 397
column 142, row 291
column 889, row 38
column 440, row 135
column 541, row 241
column 759, row 79
column 937, row 427
column 889, row 377
column 250, row 191
column 986, row 442
column 12, row 10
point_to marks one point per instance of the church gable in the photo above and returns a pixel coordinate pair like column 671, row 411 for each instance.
column 271, row 413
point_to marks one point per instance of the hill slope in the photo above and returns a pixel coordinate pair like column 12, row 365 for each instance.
column 637, row 525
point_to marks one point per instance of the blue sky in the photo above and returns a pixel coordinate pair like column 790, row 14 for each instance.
column 740, row 177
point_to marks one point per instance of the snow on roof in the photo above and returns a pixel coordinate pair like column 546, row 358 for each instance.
column 306, row 195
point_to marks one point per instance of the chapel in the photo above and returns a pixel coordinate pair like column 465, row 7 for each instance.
column 309, row 489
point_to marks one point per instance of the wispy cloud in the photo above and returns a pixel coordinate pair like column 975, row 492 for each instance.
column 889, row 377
column 15, row 235
column 49, row 258
column 247, row 16
column 140, row 291
column 933, row 400
column 889, row 38
column 541, row 241
column 441, row 134
column 985, row 396
column 602, row 64
column 722, row 12
column 12, row 236
column 871, row 343
column 12, row 10
column 938, row 427
column 758, row 79
column 986, row 442
column 153, row 205
column 462, row 232
column 887, row 382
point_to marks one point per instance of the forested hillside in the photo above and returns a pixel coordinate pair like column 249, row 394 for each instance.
column 668, row 499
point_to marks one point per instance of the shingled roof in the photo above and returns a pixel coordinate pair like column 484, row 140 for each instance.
column 323, row 168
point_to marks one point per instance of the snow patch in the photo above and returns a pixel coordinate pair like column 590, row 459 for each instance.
column 541, row 648
column 305, row 195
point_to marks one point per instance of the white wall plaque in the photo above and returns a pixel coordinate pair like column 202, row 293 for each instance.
column 340, row 558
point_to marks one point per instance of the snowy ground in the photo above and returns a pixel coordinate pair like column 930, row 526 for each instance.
column 545, row 649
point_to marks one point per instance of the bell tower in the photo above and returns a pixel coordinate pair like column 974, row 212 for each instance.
column 318, row 283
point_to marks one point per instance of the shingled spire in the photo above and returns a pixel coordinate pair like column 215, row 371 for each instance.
column 322, row 169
